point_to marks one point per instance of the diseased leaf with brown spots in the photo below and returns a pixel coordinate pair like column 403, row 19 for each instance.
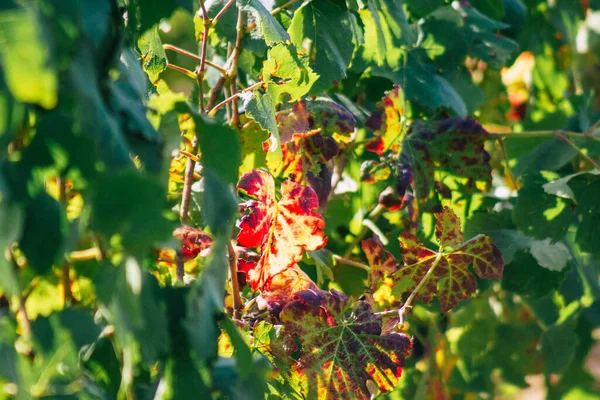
column 381, row 261
column 344, row 354
column 321, row 115
column 281, row 230
column 446, row 272
column 447, row 228
column 427, row 153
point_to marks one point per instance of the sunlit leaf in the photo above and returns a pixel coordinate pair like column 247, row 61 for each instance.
column 281, row 229
column 344, row 353
column 446, row 272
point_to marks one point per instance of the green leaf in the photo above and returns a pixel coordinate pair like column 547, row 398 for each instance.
column 442, row 36
column 11, row 226
column 220, row 148
column 268, row 26
column 26, row 58
column 131, row 205
column 44, row 232
column 205, row 304
column 526, row 277
column 335, row 35
column 219, row 204
column 9, row 367
column 152, row 11
column 153, row 54
column 587, row 189
column 261, row 108
column 539, row 214
column 554, row 256
column 387, row 32
column 287, row 74
column 558, row 345
column 500, row 228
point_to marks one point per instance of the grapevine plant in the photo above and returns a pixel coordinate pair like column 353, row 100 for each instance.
column 326, row 199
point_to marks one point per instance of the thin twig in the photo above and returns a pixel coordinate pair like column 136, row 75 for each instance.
column 235, row 287
column 220, row 14
column 533, row 314
column 541, row 134
column 352, row 263
column 578, row 150
column 216, row 108
column 184, row 71
column 283, row 7
column 592, row 128
column 200, row 72
column 232, row 71
column 66, row 269
column 186, row 194
column 194, row 56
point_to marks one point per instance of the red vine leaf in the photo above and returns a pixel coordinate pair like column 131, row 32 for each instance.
column 344, row 354
column 388, row 122
column 282, row 229
column 193, row 242
column 447, row 272
column 381, row 261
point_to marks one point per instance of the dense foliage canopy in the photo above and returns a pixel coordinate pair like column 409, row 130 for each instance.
column 326, row 199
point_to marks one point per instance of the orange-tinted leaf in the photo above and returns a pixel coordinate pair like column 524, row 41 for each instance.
column 446, row 272
column 194, row 241
column 344, row 353
column 282, row 229
column 388, row 122
column 381, row 261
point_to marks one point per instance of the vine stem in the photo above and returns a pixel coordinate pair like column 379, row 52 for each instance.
column 408, row 303
column 220, row 14
column 216, row 108
column 352, row 263
column 184, row 71
column 233, row 68
column 193, row 56
column 566, row 140
column 66, row 269
column 541, row 134
column 200, row 73
column 235, row 286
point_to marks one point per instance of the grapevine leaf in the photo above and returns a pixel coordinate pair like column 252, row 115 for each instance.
column 25, row 54
column 538, row 214
column 447, row 228
column 429, row 152
column 252, row 137
column 554, row 256
column 193, row 242
column 321, row 115
column 387, row 32
column 287, row 73
column 334, row 46
column 344, row 353
column 525, row 276
column 388, row 122
column 447, row 271
column 381, row 261
column 154, row 56
column 261, row 108
column 281, row 229
column 268, row 26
